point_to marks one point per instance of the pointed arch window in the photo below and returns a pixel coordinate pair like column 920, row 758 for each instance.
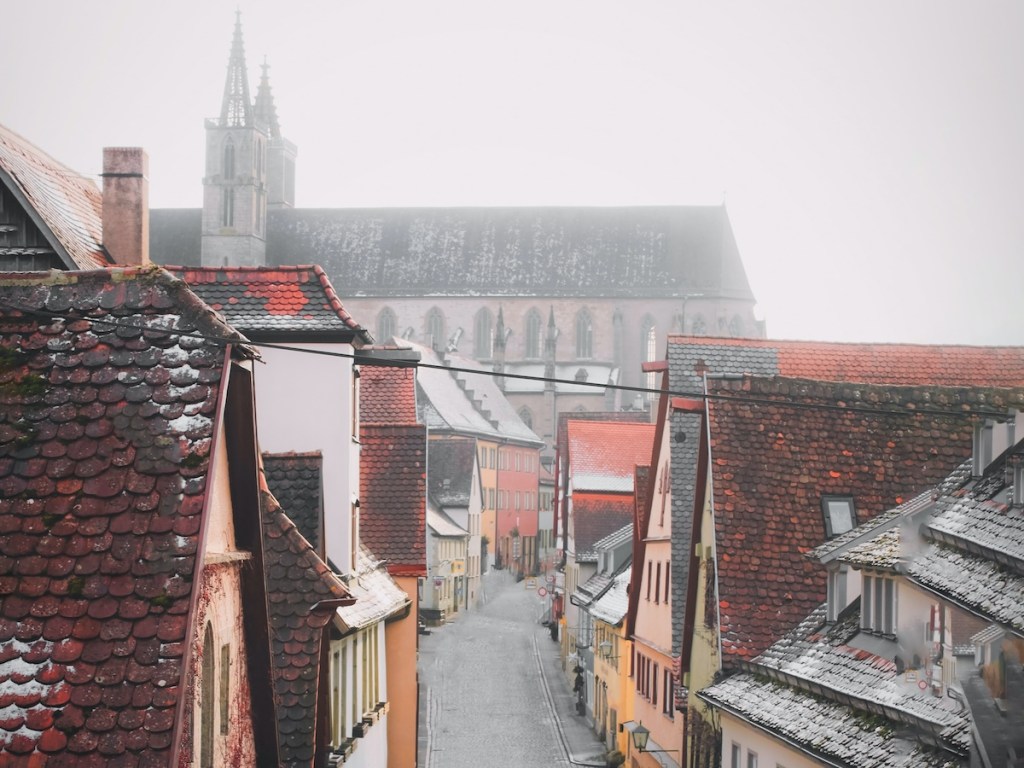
column 736, row 326
column 229, row 159
column 526, row 416
column 387, row 323
column 483, row 335
column 584, row 335
column 534, row 324
column 434, row 331
column 227, row 218
column 699, row 326
column 649, row 345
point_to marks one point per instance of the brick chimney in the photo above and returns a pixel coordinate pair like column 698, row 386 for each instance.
column 126, row 205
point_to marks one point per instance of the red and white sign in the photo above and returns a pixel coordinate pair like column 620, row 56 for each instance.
column 542, row 592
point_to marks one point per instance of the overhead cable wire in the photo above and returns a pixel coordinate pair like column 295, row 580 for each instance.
column 362, row 359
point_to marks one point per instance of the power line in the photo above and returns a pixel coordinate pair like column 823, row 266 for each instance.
column 781, row 400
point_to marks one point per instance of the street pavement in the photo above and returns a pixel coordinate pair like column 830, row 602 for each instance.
column 492, row 692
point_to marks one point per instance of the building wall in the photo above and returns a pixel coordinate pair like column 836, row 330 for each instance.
column 219, row 606
column 402, row 639
column 359, row 685
column 304, row 403
column 487, row 455
column 770, row 752
column 611, row 672
column 705, row 658
column 716, row 316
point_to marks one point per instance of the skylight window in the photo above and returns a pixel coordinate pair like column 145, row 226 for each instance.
column 839, row 514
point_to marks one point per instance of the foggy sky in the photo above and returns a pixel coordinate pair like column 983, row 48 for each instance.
column 869, row 153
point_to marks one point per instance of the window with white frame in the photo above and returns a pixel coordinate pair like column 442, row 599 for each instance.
column 735, row 754
column 751, row 759
column 878, row 604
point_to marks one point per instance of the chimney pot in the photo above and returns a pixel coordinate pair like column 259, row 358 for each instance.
column 126, row 205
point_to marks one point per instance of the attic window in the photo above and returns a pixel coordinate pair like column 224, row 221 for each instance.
column 839, row 514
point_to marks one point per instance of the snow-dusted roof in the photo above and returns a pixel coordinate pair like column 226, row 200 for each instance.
column 377, row 595
column 441, row 525
column 611, row 607
column 823, row 728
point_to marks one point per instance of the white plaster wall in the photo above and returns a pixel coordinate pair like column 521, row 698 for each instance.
column 770, row 751
column 304, row 403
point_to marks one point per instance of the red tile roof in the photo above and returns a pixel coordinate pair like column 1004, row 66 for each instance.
column 69, row 205
column 772, row 462
column 287, row 299
column 909, row 364
column 302, row 594
column 105, row 437
column 392, row 493
column 604, row 454
column 387, row 395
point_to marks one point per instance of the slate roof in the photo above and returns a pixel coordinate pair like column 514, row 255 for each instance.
column 392, row 493
column 773, row 460
column 594, row 516
column 603, row 455
column 441, row 403
column 64, row 205
column 291, row 300
column 387, row 395
column 813, row 688
column 451, row 463
column 105, row 437
column 637, row 251
column 302, row 594
column 904, row 364
column 296, row 481
column 483, row 391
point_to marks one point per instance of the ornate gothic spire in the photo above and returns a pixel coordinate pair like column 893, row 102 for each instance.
column 266, row 112
column 236, row 111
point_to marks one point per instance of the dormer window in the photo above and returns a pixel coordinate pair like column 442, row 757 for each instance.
column 839, row 514
column 878, row 604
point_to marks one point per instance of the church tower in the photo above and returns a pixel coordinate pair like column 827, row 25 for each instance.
column 234, row 187
column 281, row 153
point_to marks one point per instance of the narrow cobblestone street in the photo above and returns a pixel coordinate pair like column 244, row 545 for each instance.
column 492, row 693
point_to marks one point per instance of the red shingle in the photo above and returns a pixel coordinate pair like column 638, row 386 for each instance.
column 772, row 462
column 392, row 491
column 101, row 491
column 387, row 395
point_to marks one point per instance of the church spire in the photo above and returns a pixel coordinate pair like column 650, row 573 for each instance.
column 236, row 111
column 265, row 111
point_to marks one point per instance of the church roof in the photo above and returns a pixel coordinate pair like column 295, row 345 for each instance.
column 64, row 205
column 554, row 251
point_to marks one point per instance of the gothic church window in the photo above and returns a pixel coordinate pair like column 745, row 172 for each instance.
column 649, row 345
column 387, row 322
column 584, row 335
column 227, row 218
column 736, row 326
column 483, row 335
column 526, row 416
column 229, row 159
column 435, row 329
column 699, row 326
column 533, row 331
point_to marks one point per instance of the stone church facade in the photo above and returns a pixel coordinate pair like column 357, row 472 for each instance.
column 584, row 295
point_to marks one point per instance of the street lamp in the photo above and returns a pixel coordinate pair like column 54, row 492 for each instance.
column 640, row 737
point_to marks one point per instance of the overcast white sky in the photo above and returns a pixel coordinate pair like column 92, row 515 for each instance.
column 870, row 153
